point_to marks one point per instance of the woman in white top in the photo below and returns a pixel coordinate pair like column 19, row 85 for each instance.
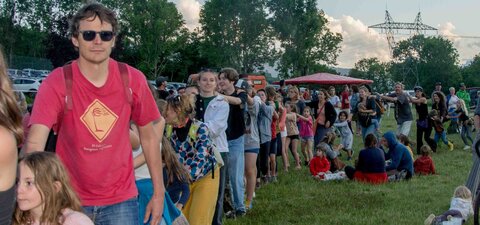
column 213, row 110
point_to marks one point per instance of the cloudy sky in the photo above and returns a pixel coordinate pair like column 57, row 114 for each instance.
column 351, row 18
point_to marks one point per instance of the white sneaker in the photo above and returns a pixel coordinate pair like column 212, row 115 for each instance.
column 466, row 147
column 429, row 219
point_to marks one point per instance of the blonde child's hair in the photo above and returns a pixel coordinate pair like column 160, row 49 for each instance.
column 425, row 150
column 172, row 164
column 464, row 107
column 463, row 193
column 362, row 106
column 52, row 181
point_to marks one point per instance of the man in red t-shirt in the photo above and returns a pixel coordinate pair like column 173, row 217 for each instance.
column 93, row 128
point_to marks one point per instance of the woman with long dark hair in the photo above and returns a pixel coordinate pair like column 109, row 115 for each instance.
column 424, row 126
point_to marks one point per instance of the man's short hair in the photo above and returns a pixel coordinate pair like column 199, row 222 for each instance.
column 93, row 10
column 230, row 73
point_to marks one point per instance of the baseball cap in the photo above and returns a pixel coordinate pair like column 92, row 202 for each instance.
column 160, row 80
column 418, row 88
column 242, row 84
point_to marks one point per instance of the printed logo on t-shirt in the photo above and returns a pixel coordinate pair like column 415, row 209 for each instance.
column 99, row 120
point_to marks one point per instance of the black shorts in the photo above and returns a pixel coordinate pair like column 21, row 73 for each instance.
column 293, row 137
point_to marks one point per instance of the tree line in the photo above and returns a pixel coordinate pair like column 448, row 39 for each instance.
column 291, row 36
column 423, row 61
column 243, row 34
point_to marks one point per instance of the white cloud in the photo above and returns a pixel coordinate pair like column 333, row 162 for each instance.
column 190, row 9
column 358, row 41
column 467, row 47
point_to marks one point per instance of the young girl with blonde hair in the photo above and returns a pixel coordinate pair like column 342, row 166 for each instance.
column 44, row 194
column 194, row 148
column 460, row 208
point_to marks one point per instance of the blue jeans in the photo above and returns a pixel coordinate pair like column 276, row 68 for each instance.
column 125, row 213
column 442, row 135
column 236, row 170
column 370, row 129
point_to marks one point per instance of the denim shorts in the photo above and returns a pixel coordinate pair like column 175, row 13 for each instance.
column 307, row 138
column 253, row 150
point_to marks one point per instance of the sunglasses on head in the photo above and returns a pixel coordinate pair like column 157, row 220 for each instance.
column 89, row 35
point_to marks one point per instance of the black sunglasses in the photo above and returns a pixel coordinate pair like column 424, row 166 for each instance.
column 89, row 35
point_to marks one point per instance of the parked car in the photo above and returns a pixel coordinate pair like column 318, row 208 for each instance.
column 176, row 85
column 30, row 85
column 14, row 72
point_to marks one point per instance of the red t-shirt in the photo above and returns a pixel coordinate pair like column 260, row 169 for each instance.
column 424, row 165
column 318, row 165
column 344, row 96
column 93, row 140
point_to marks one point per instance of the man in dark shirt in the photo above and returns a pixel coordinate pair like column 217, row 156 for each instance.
column 235, row 135
column 403, row 111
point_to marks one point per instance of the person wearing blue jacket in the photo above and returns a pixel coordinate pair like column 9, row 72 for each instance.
column 401, row 161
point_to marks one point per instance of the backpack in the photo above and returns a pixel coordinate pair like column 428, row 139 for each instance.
column 51, row 144
column 192, row 136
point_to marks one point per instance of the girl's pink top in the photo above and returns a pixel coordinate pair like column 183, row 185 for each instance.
column 306, row 127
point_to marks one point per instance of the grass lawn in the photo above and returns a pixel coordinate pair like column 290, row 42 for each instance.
column 298, row 199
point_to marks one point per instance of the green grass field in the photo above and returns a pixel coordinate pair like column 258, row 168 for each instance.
column 298, row 199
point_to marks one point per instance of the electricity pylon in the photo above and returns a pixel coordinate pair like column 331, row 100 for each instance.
column 389, row 27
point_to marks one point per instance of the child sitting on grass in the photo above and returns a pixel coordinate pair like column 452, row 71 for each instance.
column 424, row 164
column 460, row 209
column 320, row 167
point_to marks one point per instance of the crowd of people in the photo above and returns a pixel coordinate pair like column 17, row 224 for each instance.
column 129, row 153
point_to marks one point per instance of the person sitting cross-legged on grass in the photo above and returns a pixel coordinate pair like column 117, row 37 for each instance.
column 460, row 209
column 424, row 164
column 370, row 166
column 401, row 165
column 331, row 152
column 320, row 166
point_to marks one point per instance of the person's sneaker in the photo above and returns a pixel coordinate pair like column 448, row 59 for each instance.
column 240, row 213
column 274, row 179
column 429, row 219
column 450, row 146
column 466, row 147
column 230, row 215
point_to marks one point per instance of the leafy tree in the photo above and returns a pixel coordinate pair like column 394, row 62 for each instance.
column 236, row 34
column 471, row 73
column 422, row 60
column 373, row 69
column 154, row 30
column 305, row 39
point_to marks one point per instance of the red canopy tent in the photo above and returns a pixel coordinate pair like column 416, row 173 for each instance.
column 326, row 78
